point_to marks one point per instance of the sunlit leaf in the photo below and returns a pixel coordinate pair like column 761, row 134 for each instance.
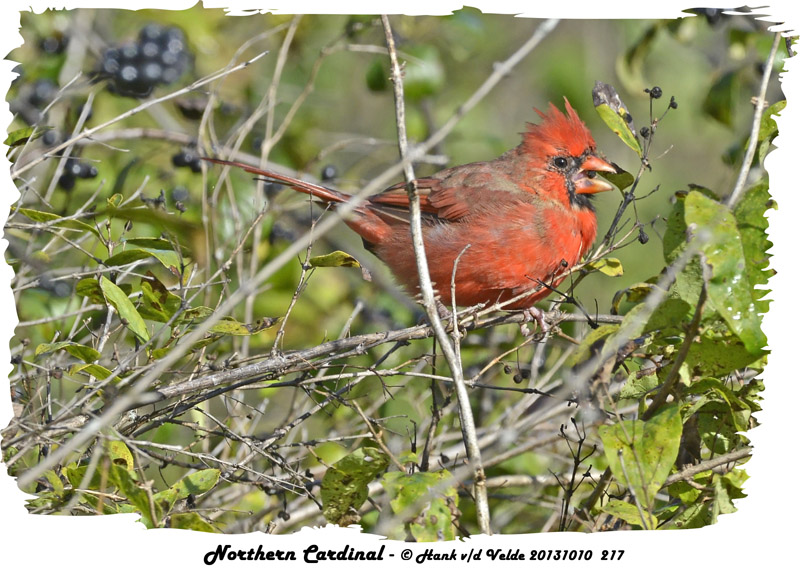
column 615, row 114
column 126, row 310
column 334, row 259
column 641, row 453
column 630, row 513
column 22, row 136
column 82, row 352
column 608, row 266
column 120, row 454
column 729, row 289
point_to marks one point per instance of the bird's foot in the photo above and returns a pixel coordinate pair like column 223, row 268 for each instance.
column 533, row 314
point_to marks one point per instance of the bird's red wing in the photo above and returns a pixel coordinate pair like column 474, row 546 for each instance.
column 435, row 198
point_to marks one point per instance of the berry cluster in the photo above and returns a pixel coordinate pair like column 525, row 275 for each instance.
column 158, row 56
column 74, row 169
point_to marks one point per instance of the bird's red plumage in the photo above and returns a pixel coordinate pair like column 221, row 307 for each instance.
column 524, row 215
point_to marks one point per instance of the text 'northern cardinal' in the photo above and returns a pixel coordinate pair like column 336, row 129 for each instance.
column 525, row 215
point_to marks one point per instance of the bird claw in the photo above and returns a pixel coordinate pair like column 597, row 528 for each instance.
column 533, row 314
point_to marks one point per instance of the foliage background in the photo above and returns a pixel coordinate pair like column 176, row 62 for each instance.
column 686, row 64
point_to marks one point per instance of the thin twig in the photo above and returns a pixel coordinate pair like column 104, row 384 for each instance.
column 738, row 188
column 428, row 299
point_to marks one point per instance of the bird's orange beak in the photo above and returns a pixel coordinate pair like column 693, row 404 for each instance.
column 586, row 181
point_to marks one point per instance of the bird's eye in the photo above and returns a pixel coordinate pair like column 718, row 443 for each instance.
column 560, row 162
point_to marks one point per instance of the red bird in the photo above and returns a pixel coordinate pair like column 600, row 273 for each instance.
column 526, row 216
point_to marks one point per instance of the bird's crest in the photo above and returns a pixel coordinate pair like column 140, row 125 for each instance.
column 558, row 133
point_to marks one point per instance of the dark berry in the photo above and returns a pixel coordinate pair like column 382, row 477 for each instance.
column 506, row 369
column 54, row 44
column 328, row 173
column 66, row 181
column 656, row 92
column 42, row 92
column 150, row 32
column 51, row 138
column 643, row 237
column 152, row 72
column 179, row 194
column 87, row 171
column 150, row 49
column 110, row 64
column 187, row 158
column 73, row 168
column 672, row 103
column 644, row 132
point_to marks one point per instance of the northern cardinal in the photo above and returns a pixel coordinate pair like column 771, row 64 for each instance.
column 526, row 216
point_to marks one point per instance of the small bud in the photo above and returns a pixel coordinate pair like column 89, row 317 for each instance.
column 672, row 103
column 643, row 237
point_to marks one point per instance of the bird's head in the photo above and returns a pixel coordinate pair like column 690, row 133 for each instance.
column 562, row 151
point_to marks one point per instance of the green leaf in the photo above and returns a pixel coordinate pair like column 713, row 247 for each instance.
column 51, row 219
column 424, row 73
column 426, row 500
column 97, row 371
column 22, row 136
column 584, row 350
column 641, row 453
column 608, row 266
column 344, row 485
column 615, row 114
column 158, row 303
column 230, row 326
column 191, row 521
column 75, row 474
column 719, row 354
column 119, row 301
column 141, row 248
column 729, row 289
column 768, row 129
column 90, row 287
column 752, row 222
column 669, row 316
column 630, row 514
column 82, row 352
column 721, row 98
column 622, row 179
column 130, row 489
column 377, row 76
column 636, row 387
column 195, row 484
column 334, row 260
column 120, row 454
column 634, row 293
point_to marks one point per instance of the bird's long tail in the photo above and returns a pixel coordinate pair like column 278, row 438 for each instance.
column 323, row 193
